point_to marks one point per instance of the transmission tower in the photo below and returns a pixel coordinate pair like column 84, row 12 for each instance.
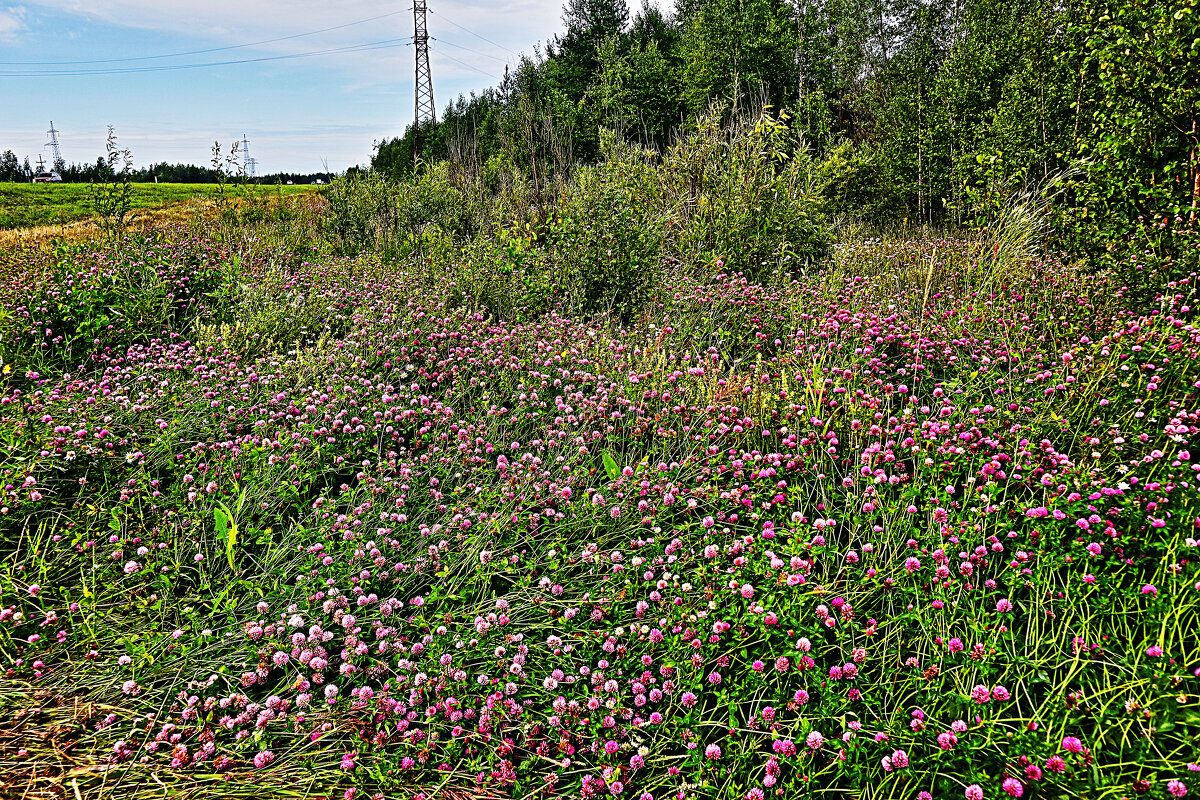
column 53, row 145
column 425, row 110
column 248, row 163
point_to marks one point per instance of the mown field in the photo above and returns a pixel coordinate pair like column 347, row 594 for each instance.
column 311, row 506
column 26, row 205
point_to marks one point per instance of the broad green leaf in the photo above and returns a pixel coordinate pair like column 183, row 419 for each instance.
column 610, row 466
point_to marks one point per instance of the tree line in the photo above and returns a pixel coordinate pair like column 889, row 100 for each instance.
column 14, row 170
column 933, row 111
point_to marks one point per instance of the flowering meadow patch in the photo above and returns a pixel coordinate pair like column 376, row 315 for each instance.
column 328, row 523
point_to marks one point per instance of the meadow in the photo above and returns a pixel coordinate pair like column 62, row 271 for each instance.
column 26, row 205
column 333, row 503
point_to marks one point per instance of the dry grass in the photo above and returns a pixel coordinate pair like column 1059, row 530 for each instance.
column 193, row 210
column 89, row 229
column 48, row 751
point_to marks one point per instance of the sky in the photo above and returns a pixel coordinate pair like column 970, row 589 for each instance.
column 300, row 114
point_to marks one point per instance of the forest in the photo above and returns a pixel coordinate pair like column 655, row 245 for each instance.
column 931, row 112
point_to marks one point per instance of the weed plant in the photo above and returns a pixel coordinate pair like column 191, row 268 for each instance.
column 112, row 200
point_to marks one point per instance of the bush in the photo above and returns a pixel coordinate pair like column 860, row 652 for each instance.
column 606, row 237
column 747, row 193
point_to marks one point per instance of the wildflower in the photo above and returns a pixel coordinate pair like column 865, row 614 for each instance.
column 981, row 694
column 974, row 792
column 1000, row 694
column 814, row 740
column 1055, row 764
column 712, row 752
column 263, row 758
column 1072, row 744
column 1013, row 787
column 1003, row 605
column 1154, row 651
column 1176, row 788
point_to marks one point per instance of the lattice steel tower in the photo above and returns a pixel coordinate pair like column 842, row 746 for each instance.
column 425, row 110
column 53, row 145
column 248, row 163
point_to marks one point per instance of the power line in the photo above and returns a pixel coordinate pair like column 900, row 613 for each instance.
column 469, row 50
column 473, row 33
column 468, row 66
column 196, row 52
column 355, row 48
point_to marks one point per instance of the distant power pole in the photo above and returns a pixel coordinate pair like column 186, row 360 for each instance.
column 425, row 109
column 53, row 145
column 248, row 163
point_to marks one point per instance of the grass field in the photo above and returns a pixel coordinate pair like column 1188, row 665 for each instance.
column 25, row 205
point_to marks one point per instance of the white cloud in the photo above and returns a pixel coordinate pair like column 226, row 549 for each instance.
column 11, row 23
column 515, row 25
column 462, row 62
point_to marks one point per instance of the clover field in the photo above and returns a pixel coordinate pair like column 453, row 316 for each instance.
column 284, row 523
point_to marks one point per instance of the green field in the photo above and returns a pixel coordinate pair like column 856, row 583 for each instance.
column 25, row 205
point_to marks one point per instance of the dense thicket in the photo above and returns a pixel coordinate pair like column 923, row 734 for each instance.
column 937, row 111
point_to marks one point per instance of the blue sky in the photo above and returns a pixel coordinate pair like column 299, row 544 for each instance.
column 298, row 113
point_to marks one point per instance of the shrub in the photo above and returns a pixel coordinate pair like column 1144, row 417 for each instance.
column 111, row 199
column 606, row 237
column 747, row 193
